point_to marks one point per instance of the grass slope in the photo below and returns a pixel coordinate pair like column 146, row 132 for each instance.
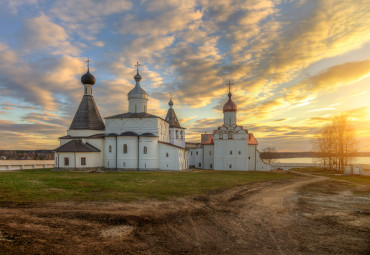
column 47, row 185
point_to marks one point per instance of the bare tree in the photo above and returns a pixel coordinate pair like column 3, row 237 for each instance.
column 335, row 144
column 269, row 154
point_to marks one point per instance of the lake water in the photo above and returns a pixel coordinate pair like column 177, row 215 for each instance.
column 358, row 160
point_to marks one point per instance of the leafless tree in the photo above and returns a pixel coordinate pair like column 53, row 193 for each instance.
column 269, row 155
column 335, row 144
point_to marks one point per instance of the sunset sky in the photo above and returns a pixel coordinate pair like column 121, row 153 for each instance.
column 294, row 64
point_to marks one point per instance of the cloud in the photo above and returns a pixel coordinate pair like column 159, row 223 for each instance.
column 86, row 17
column 40, row 33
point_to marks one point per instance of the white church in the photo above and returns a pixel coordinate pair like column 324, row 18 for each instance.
column 229, row 147
column 138, row 140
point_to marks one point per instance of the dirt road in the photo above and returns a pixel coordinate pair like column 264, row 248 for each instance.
column 305, row 215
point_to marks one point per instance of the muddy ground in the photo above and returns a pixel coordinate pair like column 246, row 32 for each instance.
column 304, row 215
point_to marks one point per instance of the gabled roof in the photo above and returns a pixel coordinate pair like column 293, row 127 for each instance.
column 87, row 115
column 76, row 146
column 172, row 118
column 132, row 115
column 251, row 139
column 80, row 137
column 172, row 145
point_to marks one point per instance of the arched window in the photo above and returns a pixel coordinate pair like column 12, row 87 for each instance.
column 231, row 152
column 230, row 135
column 221, row 135
column 177, row 134
column 181, row 134
column 145, row 150
column 110, row 148
column 166, row 154
column 125, row 148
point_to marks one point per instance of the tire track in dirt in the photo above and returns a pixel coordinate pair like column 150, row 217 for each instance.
column 258, row 218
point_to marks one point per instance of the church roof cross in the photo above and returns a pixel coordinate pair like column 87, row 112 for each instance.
column 137, row 66
column 229, row 85
column 88, row 61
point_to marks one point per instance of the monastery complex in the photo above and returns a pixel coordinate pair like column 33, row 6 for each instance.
column 138, row 140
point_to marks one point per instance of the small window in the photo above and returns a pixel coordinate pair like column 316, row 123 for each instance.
column 125, row 149
column 249, row 157
column 145, row 150
column 231, row 152
column 110, row 148
column 166, row 154
column 196, row 153
column 230, row 135
column 210, row 152
column 124, row 164
column 177, row 134
column 66, row 161
column 211, row 166
column 200, row 164
column 221, row 135
column 83, row 161
column 85, row 90
column 230, row 166
column 191, row 153
column 240, row 152
column 182, row 135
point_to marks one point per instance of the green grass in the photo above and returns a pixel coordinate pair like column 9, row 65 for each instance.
column 47, row 185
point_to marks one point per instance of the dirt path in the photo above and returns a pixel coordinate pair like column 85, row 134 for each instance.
column 277, row 217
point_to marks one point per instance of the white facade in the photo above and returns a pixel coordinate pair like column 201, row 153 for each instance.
column 135, row 140
column 229, row 147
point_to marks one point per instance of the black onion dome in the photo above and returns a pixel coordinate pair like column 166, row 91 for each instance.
column 88, row 78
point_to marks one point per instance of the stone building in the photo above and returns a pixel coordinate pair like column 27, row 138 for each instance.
column 134, row 140
column 229, row 147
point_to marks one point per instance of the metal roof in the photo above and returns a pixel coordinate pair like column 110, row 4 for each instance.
column 172, row 118
column 87, row 115
column 77, row 146
column 132, row 115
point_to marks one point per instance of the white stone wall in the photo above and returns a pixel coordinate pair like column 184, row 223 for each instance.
column 150, row 160
column 208, row 156
column 11, row 165
column 129, row 160
column 92, row 159
column 163, row 131
column 231, row 154
column 137, row 125
column 230, row 118
column 252, row 161
column 137, row 105
column 177, row 137
column 110, row 152
column 172, row 158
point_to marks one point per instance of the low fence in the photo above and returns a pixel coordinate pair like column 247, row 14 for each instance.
column 287, row 166
column 356, row 169
column 11, row 165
